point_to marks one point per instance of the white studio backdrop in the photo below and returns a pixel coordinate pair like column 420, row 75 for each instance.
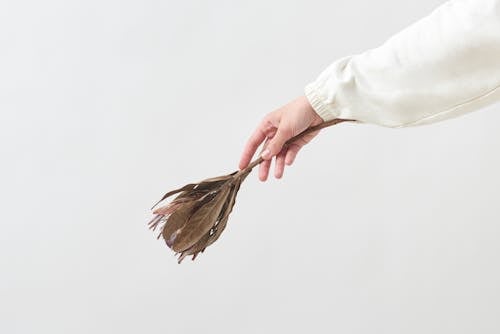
column 105, row 105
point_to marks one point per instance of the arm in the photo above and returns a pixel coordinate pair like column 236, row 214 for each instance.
column 442, row 66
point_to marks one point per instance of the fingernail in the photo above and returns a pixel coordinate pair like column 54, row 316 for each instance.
column 265, row 154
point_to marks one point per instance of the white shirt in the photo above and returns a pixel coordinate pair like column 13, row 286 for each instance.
column 442, row 66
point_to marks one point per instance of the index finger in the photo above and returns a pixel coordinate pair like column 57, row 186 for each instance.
column 251, row 146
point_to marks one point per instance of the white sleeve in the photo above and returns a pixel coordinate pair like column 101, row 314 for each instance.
column 442, row 66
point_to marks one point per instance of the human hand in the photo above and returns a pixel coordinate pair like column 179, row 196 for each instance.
column 276, row 128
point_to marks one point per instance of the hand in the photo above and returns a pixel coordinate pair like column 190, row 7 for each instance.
column 276, row 128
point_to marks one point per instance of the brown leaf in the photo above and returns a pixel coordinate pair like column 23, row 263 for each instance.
column 221, row 225
column 213, row 183
column 199, row 188
column 175, row 222
column 189, row 186
column 215, row 232
column 196, row 248
column 200, row 221
column 179, row 200
column 218, row 178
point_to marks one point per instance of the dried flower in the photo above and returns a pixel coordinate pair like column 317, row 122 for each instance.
column 198, row 215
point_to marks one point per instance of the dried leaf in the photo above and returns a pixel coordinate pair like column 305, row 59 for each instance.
column 200, row 221
column 221, row 225
column 170, row 193
column 218, row 178
column 216, row 229
column 196, row 248
column 175, row 222
column 199, row 188
column 215, row 232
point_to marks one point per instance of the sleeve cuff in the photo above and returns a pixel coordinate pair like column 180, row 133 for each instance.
column 325, row 111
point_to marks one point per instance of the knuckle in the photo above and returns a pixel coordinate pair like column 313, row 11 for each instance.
column 285, row 134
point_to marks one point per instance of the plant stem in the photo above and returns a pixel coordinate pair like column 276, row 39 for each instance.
column 294, row 138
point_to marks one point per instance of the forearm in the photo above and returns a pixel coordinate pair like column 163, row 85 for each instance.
column 442, row 66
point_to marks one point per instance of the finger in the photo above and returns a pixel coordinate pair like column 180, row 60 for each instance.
column 291, row 153
column 264, row 170
column 266, row 129
column 283, row 133
column 279, row 164
column 251, row 146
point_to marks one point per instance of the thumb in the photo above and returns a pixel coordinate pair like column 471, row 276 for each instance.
column 276, row 143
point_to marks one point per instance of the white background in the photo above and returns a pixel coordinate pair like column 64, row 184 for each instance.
column 105, row 105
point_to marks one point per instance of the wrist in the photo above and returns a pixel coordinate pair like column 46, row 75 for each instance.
column 309, row 110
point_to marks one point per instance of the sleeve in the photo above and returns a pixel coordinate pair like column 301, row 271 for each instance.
column 442, row 66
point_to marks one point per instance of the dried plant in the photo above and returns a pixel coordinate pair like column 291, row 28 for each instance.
column 198, row 215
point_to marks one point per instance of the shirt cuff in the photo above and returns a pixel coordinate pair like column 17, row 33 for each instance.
column 324, row 110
